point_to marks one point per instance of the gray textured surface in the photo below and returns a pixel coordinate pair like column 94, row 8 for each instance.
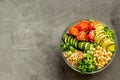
column 30, row 32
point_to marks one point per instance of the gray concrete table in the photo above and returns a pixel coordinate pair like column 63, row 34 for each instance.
column 30, row 33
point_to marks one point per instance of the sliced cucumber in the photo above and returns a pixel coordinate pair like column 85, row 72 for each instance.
column 64, row 36
column 79, row 45
column 91, row 47
column 86, row 45
column 74, row 41
column 76, row 44
column 69, row 38
column 83, row 47
column 66, row 39
column 82, row 44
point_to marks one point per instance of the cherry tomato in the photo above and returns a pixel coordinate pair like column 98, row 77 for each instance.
column 81, row 36
column 73, row 31
column 91, row 40
column 91, row 35
column 87, row 38
column 91, row 26
column 82, row 26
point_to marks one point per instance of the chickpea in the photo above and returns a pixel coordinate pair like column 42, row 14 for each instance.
column 106, row 62
column 98, row 47
column 101, row 48
column 104, row 50
column 99, row 64
column 99, row 67
column 96, row 64
column 96, row 55
column 106, row 55
column 103, row 63
column 109, row 58
column 93, row 49
column 110, row 54
column 94, row 58
column 92, row 52
column 97, row 51
column 101, row 60
column 101, row 54
column 98, row 58
column 102, row 66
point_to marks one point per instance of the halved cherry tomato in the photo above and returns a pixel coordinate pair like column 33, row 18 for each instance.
column 87, row 38
column 82, row 26
column 73, row 31
column 81, row 36
column 91, row 35
column 93, row 24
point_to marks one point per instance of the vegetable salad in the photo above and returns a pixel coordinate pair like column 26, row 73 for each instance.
column 88, row 45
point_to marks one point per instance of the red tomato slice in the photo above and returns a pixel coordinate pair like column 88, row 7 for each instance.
column 82, row 26
column 91, row 35
column 91, row 26
column 87, row 38
column 81, row 36
column 91, row 40
column 73, row 31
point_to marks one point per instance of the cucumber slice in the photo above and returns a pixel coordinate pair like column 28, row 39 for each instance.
column 86, row 45
column 66, row 39
column 76, row 44
column 69, row 38
column 64, row 36
column 82, row 45
column 74, row 41
column 71, row 41
column 91, row 47
column 79, row 45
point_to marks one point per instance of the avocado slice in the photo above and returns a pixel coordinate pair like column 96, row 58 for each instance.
column 99, row 27
column 101, row 38
column 97, row 37
column 104, row 39
column 111, row 48
column 107, row 43
column 99, row 32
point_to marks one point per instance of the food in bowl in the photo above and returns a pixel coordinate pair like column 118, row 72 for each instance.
column 88, row 45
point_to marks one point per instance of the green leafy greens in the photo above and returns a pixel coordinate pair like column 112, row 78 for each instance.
column 109, row 33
